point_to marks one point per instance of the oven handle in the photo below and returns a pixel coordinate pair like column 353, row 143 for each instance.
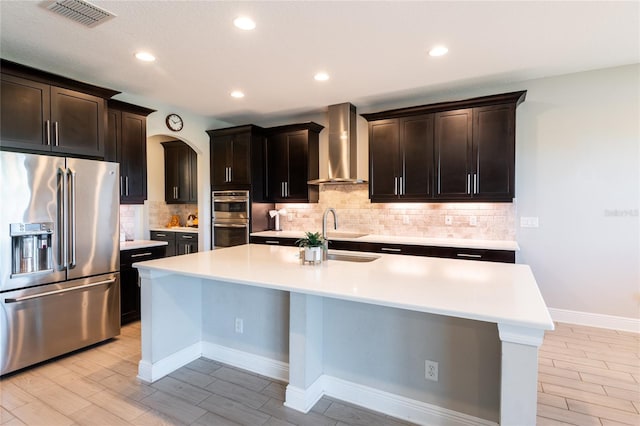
column 64, row 290
column 229, row 225
column 230, row 200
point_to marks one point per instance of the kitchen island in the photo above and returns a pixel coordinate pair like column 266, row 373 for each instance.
column 357, row 331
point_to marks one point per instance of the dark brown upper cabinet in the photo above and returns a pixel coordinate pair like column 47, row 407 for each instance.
column 237, row 159
column 401, row 158
column 450, row 151
column 43, row 112
column 180, row 173
column 454, row 162
column 494, row 141
column 292, row 159
column 126, row 143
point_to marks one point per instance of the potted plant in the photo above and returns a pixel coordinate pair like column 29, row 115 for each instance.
column 313, row 244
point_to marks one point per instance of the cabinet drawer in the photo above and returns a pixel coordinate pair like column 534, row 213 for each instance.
column 187, row 236
column 288, row 242
column 163, row 236
column 129, row 257
column 502, row 256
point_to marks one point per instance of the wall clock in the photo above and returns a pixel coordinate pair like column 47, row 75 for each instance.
column 174, row 122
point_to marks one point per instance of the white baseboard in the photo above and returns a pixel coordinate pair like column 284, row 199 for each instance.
column 303, row 400
column 258, row 364
column 595, row 320
column 398, row 406
column 150, row 372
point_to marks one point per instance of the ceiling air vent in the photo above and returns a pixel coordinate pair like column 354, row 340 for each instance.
column 81, row 11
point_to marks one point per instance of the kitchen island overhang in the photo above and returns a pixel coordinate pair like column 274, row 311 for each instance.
column 177, row 294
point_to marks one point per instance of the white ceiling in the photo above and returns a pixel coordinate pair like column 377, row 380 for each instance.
column 373, row 50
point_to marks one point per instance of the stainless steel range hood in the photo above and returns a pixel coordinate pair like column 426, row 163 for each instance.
column 343, row 146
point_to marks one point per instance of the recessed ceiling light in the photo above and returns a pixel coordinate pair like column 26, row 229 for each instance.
column 321, row 76
column 237, row 94
column 438, row 51
column 145, row 56
column 244, row 23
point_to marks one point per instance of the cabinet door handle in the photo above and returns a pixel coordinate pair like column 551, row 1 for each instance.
column 272, row 242
column 161, row 235
column 395, row 186
column 282, row 189
column 468, row 183
column 286, row 189
column 121, row 190
column 401, row 186
column 475, row 183
column 230, row 174
column 394, row 250
column 56, row 140
column 126, row 185
column 148, row 253
column 187, row 237
column 472, row 256
column 47, row 125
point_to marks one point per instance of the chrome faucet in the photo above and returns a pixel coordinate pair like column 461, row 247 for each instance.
column 324, row 229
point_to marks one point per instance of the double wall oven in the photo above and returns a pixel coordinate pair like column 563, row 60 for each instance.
column 230, row 216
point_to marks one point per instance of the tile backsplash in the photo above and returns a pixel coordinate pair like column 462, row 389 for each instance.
column 160, row 213
column 493, row 221
column 129, row 220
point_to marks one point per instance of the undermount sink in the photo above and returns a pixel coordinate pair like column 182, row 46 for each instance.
column 345, row 235
column 352, row 257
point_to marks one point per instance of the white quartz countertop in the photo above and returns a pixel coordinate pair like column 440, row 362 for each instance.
column 137, row 244
column 177, row 229
column 420, row 241
column 485, row 291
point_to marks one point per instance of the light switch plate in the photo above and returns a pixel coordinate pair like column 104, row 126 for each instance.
column 529, row 222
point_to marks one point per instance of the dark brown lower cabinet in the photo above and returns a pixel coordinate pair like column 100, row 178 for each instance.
column 503, row 256
column 129, row 286
column 179, row 242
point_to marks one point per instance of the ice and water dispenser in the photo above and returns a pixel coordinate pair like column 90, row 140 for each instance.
column 31, row 247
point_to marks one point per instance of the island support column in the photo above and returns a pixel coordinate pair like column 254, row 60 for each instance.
column 519, row 382
column 305, row 386
column 171, row 323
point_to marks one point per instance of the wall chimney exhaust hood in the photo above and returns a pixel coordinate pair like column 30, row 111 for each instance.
column 343, row 147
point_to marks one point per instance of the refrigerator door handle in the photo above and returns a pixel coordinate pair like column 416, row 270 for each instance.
column 62, row 219
column 72, row 227
column 64, row 290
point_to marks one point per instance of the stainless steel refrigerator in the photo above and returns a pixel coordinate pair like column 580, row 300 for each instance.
column 59, row 256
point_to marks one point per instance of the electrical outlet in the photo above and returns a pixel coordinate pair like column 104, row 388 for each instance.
column 430, row 370
column 448, row 220
column 405, row 220
column 290, row 217
column 473, row 220
column 239, row 325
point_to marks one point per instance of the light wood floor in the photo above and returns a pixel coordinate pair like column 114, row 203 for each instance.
column 587, row 376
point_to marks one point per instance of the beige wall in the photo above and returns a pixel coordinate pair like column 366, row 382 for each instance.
column 578, row 160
